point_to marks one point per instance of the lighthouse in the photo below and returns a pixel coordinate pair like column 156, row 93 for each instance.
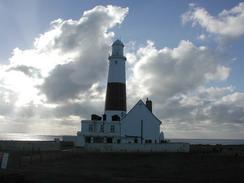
column 115, row 102
column 117, row 126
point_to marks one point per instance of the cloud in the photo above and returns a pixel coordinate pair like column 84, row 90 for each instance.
column 90, row 39
column 228, row 24
column 7, row 98
column 166, row 72
column 222, row 73
column 198, row 107
column 22, row 82
column 209, row 111
column 202, row 37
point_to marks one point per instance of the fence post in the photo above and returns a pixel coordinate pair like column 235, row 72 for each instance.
column 20, row 159
column 40, row 155
column 31, row 155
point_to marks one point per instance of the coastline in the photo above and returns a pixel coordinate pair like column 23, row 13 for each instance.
column 36, row 137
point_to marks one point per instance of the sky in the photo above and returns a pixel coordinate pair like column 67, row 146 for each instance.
column 186, row 56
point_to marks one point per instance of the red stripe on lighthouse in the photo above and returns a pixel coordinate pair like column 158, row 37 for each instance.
column 115, row 97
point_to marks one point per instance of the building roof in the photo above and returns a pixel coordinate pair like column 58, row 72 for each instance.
column 138, row 103
column 117, row 42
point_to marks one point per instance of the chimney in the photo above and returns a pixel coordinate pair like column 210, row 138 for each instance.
column 149, row 104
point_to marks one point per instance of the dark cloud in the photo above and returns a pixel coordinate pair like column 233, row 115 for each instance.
column 197, row 109
column 27, row 70
column 70, row 80
column 59, row 86
column 82, row 109
column 226, row 113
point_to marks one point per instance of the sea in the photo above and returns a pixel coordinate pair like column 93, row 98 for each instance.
column 33, row 137
column 27, row 137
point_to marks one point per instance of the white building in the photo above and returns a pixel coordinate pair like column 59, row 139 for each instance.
column 116, row 126
column 139, row 125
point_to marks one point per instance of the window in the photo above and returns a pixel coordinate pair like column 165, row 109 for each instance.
column 90, row 128
column 98, row 139
column 148, row 141
column 88, row 139
column 115, row 118
column 102, row 128
column 112, row 128
column 109, row 140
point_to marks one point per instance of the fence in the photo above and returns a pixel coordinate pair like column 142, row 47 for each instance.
column 165, row 147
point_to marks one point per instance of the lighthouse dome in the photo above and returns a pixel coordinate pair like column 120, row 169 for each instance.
column 118, row 49
column 118, row 42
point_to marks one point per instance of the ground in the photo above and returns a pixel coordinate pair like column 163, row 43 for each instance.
column 128, row 167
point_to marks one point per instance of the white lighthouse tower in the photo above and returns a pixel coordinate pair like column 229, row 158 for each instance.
column 115, row 103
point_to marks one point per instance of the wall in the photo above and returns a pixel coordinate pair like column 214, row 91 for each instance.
column 167, row 147
column 97, row 126
column 131, row 124
column 69, row 138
